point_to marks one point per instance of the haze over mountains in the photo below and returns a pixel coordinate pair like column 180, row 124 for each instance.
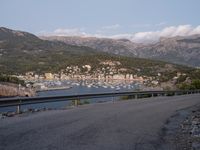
column 180, row 50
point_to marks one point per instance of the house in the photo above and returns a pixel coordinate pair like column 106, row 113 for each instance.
column 48, row 76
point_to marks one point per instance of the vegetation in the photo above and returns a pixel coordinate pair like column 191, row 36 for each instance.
column 195, row 84
column 53, row 61
column 79, row 102
column 128, row 97
column 21, row 54
column 11, row 79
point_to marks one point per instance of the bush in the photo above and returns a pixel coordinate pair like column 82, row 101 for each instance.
column 190, row 86
column 196, row 84
column 127, row 97
column 76, row 102
column 86, row 102
column 79, row 102
column 10, row 79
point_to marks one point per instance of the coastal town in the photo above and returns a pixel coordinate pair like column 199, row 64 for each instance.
column 109, row 75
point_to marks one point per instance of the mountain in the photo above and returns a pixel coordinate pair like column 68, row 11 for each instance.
column 180, row 50
column 22, row 52
column 23, row 41
column 119, row 47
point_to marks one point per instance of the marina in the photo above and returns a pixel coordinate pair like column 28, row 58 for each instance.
column 76, row 87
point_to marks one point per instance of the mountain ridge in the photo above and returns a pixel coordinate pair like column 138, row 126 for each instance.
column 180, row 50
column 22, row 53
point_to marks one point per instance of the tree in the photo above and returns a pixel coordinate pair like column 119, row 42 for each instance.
column 196, row 84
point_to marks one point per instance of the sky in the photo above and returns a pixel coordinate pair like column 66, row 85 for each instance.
column 137, row 20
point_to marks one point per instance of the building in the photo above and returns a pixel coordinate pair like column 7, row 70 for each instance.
column 48, row 76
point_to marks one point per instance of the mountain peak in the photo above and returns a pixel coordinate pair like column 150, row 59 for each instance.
column 8, row 34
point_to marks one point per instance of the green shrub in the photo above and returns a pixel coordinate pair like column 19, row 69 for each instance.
column 127, row 97
column 190, row 86
column 11, row 79
column 196, row 84
column 86, row 102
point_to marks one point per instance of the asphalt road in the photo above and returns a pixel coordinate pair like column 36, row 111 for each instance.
column 124, row 125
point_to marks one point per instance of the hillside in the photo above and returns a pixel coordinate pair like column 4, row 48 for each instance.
column 180, row 50
column 22, row 52
column 12, row 40
column 119, row 47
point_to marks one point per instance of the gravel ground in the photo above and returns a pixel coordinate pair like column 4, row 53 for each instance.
column 182, row 130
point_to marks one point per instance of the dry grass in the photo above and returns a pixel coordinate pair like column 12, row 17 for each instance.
column 6, row 90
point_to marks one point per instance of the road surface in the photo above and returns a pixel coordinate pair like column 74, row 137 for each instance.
column 124, row 125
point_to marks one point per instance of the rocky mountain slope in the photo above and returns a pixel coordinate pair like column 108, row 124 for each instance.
column 19, row 41
column 119, row 47
column 22, row 52
column 180, row 50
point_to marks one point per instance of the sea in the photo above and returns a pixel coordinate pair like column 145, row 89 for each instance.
column 76, row 88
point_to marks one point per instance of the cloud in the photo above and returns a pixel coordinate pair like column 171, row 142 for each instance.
column 139, row 37
column 172, row 31
column 148, row 25
column 161, row 24
column 154, row 36
column 65, row 32
column 111, row 27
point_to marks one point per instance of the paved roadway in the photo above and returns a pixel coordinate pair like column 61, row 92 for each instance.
column 124, row 125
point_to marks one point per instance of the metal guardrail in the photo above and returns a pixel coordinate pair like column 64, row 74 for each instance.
column 18, row 101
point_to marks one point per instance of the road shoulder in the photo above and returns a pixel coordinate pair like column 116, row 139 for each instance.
column 182, row 130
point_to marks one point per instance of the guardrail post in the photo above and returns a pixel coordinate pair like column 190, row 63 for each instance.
column 76, row 102
column 113, row 98
column 136, row 96
column 19, row 108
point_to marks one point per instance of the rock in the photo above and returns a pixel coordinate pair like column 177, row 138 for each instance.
column 195, row 132
column 31, row 110
column 10, row 114
column 36, row 110
column 195, row 122
column 195, row 146
column 1, row 116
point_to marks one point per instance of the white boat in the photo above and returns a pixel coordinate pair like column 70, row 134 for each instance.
column 58, row 83
column 118, row 88
column 89, row 86
column 104, row 86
